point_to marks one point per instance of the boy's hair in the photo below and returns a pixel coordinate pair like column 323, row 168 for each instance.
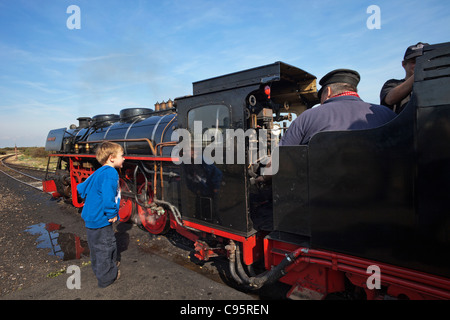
column 107, row 149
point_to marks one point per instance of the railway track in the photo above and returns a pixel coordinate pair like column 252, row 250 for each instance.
column 25, row 175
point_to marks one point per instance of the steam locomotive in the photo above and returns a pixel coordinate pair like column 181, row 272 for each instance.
column 362, row 213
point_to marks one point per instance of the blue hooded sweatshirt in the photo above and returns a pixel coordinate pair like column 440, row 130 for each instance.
column 102, row 197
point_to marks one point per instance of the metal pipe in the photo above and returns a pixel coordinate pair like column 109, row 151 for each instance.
column 239, row 267
column 266, row 277
column 152, row 148
column 231, row 247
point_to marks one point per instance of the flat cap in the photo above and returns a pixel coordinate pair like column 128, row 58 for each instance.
column 414, row 50
column 351, row 77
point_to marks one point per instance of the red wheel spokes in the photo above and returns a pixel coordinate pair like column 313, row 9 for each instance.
column 126, row 204
column 155, row 221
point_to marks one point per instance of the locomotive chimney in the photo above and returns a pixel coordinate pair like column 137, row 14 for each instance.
column 163, row 105
column 157, row 106
column 169, row 104
column 84, row 122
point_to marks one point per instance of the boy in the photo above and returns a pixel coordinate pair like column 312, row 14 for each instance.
column 101, row 208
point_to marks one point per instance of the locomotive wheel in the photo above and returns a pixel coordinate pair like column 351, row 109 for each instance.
column 153, row 222
column 126, row 204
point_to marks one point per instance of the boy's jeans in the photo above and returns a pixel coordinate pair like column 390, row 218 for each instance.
column 103, row 251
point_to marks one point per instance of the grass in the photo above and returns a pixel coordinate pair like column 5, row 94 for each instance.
column 35, row 157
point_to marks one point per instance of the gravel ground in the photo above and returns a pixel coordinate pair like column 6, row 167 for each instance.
column 23, row 265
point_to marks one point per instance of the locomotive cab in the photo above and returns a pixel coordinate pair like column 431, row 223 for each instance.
column 221, row 194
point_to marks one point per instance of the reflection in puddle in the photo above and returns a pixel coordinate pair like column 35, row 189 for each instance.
column 66, row 246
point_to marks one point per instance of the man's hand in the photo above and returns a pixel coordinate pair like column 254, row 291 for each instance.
column 112, row 220
column 400, row 92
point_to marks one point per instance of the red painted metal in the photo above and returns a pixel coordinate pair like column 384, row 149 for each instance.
column 72, row 155
column 154, row 223
column 400, row 282
column 251, row 247
column 157, row 158
column 203, row 251
column 77, row 176
column 182, row 230
column 49, row 186
column 126, row 204
column 429, row 286
column 308, row 280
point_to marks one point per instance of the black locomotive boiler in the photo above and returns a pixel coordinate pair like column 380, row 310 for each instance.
column 362, row 212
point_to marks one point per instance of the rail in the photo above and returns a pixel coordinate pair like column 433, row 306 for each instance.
column 17, row 175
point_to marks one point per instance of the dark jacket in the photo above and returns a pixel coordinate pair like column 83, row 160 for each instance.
column 336, row 114
column 387, row 87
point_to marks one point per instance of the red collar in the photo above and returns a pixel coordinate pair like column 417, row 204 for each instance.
column 346, row 93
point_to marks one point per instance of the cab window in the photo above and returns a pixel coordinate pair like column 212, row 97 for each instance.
column 215, row 118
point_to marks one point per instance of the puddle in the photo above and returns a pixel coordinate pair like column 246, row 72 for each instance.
column 66, row 246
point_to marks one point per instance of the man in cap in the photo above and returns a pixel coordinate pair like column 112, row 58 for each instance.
column 341, row 109
column 395, row 94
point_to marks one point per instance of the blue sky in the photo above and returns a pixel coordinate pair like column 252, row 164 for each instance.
column 135, row 53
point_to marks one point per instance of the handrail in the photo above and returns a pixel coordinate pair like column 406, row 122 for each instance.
column 125, row 140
